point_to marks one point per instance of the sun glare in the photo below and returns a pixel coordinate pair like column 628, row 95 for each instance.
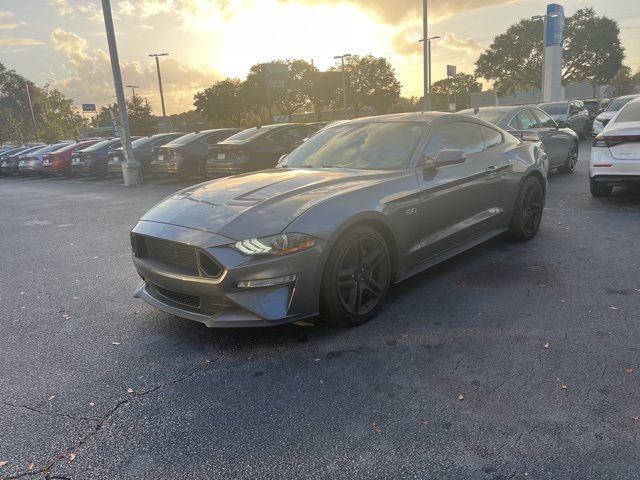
column 294, row 31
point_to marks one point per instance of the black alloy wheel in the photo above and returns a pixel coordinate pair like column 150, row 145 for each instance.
column 572, row 160
column 357, row 278
column 528, row 210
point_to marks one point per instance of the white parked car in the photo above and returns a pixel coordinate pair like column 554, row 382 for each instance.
column 615, row 156
column 614, row 107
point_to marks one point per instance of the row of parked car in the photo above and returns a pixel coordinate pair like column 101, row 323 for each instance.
column 215, row 152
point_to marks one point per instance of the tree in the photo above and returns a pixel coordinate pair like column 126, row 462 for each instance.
column 141, row 121
column 10, row 127
column 295, row 96
column 592, row 52
column 457, row 88
column 622, row 81
column 223, row 103
column 371, row 83
column 58, row 117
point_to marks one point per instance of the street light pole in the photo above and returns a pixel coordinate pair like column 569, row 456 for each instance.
column 33, row 117
column 133, row 89
column 427, row 56
column 164, row 112
column 429, row 64
column 131, row 168
column 344, row 83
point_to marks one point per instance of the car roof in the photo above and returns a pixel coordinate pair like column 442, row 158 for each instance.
column 422, row 117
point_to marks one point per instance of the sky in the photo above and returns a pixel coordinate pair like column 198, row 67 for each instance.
column 62, row 43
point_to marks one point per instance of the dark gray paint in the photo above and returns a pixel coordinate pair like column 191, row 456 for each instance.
column 429, row 215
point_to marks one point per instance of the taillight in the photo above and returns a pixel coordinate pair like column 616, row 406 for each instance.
column 613, row 140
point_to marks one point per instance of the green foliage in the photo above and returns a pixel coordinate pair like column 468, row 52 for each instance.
column 141, row 121
column 371, row 83
column 223, row 103
column 56, row 117
column 456, row 89
column 592, row 52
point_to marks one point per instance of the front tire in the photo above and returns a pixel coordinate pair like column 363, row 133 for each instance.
column 356, row 279
column 527, row 213
column 599, row 189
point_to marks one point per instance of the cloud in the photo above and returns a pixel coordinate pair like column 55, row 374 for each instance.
column 11, row 26
column 63, row 7
column 89, row 77
column 19, row 41
column 468, row 45
column 394, row 12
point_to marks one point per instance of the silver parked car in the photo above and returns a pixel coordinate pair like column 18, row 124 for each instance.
column 561, row 143
column 361, row 205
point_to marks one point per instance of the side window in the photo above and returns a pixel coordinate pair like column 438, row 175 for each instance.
column 211, row 139
column 527, row 120
column 288, row 135
column 545, row 120
column 463, row 136
column 491, row 137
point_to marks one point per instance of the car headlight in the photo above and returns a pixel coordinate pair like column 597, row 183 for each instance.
column 276, row 245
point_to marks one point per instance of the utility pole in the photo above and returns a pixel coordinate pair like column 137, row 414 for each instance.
column 133, row 89
column 426, row 54
column 344, row 83
column 33, row 117
column 428, row 42
column 131, row 168
column 164, row 112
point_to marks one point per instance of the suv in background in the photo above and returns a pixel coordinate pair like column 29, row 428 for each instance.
column 572, row 112
column 614, row 106
column 187, row 155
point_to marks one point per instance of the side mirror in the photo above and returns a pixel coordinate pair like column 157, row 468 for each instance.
column 562, row 124
column 449, row 156
column 282, row 162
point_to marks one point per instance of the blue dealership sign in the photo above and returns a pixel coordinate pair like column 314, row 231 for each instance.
column 555, row 25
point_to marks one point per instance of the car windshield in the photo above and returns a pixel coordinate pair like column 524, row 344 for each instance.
column 554, row 108
column 186, row 139
column 366, row 146
column 250, row 134
column 630, row 113
column 618, row 103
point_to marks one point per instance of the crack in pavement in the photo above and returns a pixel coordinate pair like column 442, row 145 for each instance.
column 100, row 422
column 51, row 414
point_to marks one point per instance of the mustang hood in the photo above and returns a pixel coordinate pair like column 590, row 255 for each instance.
column 258, row 204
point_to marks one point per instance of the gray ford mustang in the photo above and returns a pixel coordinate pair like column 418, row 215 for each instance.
column 361, row 205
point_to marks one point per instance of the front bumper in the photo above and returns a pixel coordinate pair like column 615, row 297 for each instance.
column 9, row 167
column 79, row 167
column 115, row 167
column 31, row 167
column 218, row 302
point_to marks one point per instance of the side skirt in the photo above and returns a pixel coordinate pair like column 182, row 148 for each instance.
column 447, row 254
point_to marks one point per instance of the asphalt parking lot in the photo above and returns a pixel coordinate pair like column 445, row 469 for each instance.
column 511, row 361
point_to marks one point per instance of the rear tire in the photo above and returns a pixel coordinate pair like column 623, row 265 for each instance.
column 527, row 213
column 356, row 279
column 599, row 189
column 571, row 161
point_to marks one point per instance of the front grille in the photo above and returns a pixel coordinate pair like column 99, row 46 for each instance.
column 177, row 297
column 177, row 256
column 208, row 266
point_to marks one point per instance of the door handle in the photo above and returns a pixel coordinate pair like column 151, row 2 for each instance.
column 492, row 168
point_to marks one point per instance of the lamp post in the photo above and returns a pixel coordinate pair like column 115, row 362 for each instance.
column 33, row 117
column 131, row 168
column 426, row 61
column 133, row 89
column 164, row 112
column 428, row 66
column 344, row 82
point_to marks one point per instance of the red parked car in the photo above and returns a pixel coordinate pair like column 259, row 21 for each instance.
column 60, row 160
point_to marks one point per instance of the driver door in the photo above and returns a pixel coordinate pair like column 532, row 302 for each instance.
column 456, row 202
